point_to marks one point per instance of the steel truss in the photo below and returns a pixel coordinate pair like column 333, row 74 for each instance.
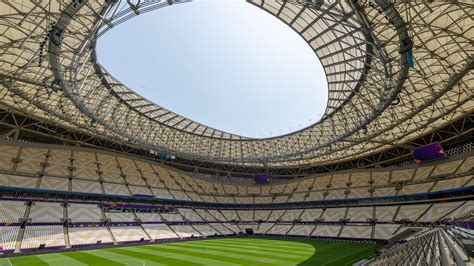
column 19, row 127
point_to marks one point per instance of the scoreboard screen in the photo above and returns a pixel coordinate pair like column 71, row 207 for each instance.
column 262, row 178
column 428, row 153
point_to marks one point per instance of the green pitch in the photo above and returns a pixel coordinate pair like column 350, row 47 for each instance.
column 218, row 252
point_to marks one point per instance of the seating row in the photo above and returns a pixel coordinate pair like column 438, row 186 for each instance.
column 126, row 176
column 54, row 212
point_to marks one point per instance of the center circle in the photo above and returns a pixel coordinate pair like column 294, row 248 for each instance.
column 227, row 65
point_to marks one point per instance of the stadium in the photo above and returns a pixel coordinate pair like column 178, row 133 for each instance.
column 94, row 173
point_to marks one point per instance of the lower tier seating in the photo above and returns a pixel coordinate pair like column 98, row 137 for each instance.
column 88, row 235
column 46, row 212
column 222, row 229
column 49, row 235
column 356, row 231
column 11, row 211
column 159, row 231
column 432, row 247
column 205, row 230
column 184, row 231
column 84, row 213
column 279, row 229
column 128, row 233
column 8, row 236
column 29, row 225
column 326, row 230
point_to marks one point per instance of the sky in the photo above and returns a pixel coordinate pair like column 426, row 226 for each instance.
column 226, row 64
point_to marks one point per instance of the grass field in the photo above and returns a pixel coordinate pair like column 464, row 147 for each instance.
column 218, row 252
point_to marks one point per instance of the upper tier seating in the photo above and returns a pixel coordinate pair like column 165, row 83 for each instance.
column 116, row 189
column 54, row 183
column 85, row 166
column 9, row 155
column 126, row 176
column 162, row 193
column 18, row 181
column 59, row 164
column 31, row 160
column 86, row 186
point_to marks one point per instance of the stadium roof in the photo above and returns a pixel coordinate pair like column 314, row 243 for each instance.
column 395, row 71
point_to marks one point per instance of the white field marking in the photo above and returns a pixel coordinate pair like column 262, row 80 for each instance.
column 5, row 262
column 99, row 253
column 350, row 263
column 60, row 259
column 253, row 250
column 189, row 258
column 46, row 260
column 347, row 255
column 142, row 262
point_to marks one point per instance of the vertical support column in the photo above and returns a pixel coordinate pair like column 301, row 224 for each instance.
column 71, row 171
column 141, row 226
column 99, row 173
column 65, row 225
column 374, row 217
column 143, row 177
column 106, row 225
column 123, row 176
column 44, row 164
column 21, row 232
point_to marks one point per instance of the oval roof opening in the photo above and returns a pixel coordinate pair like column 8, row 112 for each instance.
column 227, row 65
